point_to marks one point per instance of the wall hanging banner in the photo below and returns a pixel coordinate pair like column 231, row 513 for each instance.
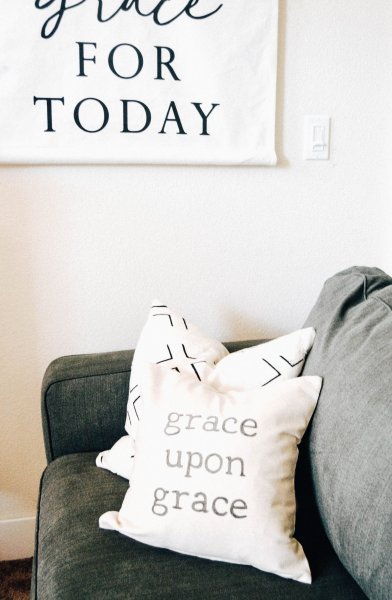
column 138, row 81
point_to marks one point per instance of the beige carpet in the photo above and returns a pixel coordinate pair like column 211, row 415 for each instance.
column 15, row 578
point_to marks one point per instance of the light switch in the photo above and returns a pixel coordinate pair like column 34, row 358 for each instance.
column 316, row 137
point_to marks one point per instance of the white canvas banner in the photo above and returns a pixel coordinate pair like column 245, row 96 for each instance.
column 138, row 81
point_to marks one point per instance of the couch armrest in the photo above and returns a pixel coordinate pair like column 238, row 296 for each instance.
column 84, row 400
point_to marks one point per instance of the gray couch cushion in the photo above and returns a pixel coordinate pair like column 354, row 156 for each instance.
column 77, row 560
column 351, row 434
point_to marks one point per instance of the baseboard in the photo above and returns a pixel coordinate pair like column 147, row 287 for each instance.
column 17, row 538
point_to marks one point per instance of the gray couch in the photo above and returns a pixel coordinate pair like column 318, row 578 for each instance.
column 83, row 405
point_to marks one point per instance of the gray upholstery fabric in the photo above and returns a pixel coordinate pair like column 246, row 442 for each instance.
column 78, row 561
column 351, row 434
column 84, row 400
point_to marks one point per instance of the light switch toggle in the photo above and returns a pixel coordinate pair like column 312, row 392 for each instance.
column 316, row 137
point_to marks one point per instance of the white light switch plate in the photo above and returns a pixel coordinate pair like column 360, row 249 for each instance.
column 316, row 137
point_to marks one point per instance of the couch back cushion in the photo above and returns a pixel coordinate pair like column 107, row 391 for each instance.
column 350, row 440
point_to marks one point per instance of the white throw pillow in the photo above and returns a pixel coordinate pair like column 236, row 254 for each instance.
column 214, row 472
column 172, row 341
column 119, row 459
column 263, row 364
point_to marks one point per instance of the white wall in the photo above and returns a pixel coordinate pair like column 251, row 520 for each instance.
column 242, row 251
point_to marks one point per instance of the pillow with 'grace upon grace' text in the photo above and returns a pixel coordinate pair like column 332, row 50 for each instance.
column 214, row 471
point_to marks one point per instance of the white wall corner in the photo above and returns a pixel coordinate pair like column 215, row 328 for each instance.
column 17, row 538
